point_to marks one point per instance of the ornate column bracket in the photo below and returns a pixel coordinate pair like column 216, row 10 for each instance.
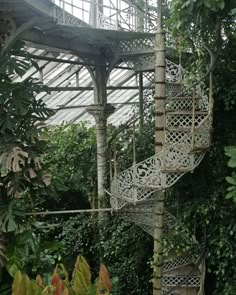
column 10, row 31
column 7, row 30
column 100, row 112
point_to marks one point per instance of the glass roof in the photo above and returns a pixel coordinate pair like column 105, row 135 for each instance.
column 71, row 104
column 129, row 15
column 69, row 81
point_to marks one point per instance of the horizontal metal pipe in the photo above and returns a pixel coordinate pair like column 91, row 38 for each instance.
column 84, row 88
column 67, row 61
column 70, row 211
column 61, row 107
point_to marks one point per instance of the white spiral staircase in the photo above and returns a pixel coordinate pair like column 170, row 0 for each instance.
column 187, row 129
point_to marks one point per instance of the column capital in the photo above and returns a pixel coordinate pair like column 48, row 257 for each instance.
column 100, row 112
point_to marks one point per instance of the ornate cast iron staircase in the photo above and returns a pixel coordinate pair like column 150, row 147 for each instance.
column 188, row 124
column 182, row 274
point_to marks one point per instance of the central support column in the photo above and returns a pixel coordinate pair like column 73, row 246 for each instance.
column 100, row 110
column 101, row 113
column 160, row 95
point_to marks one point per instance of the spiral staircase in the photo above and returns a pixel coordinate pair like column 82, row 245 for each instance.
column 187, row 130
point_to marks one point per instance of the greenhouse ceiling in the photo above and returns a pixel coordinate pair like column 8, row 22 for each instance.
column 70, row 39
column 71, row 87
column 67, row 36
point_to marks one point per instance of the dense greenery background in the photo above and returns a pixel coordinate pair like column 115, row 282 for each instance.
column 63, row 176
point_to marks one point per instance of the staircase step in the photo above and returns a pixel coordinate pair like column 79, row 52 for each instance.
column 195, row 150
column 176, row 170
column 165, row 291
column 186, row 129
column 199, row 149
column 174, row 280
column 177, row 263
column 182, row 97
column 190, row 112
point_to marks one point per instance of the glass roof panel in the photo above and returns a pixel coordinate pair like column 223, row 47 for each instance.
column 70, row 104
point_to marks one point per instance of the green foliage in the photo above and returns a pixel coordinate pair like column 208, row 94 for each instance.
column 211, row 23
column 22, row 171
column 203, row 16
column 127, row 250
column 25, row 247
column 80, row 283
column 21, row 128
column 8, row 214
column 79, row 235
column 2, row 251
column 71, row 155
column 231, row 152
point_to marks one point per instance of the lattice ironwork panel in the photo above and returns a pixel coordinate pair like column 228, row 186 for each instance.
column 68, row 19
column 178, row 120
column 198, row 119
column 106, row 22
column 172, row 178
column 135, row 45
column 178, row 157
column 181, row 104
column 202, row 139
column 143, row 193
column 143, row 60
column 170, row 281
column 125, row 189
column 183, row 120
column 182, row 137
column 139, row 218
column 176, row 263
column 173, row 89
column 142, row 214
column 117, row 203
column 198, row 158
column 149, row 75
column 207, row 123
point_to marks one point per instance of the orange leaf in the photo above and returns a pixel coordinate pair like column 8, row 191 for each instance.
column 104, row 279
column 55, row 279
column 60, row 287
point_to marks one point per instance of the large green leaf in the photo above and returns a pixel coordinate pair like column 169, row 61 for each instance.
column 8, row 215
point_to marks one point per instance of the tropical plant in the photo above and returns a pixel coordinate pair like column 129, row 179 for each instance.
column 71, row 155
column 22, row 170
column 21, row 128
column 80, row 284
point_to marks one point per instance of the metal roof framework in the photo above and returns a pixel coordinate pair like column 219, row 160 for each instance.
column 64, row 53
column 70, row 39
column 71, row 88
